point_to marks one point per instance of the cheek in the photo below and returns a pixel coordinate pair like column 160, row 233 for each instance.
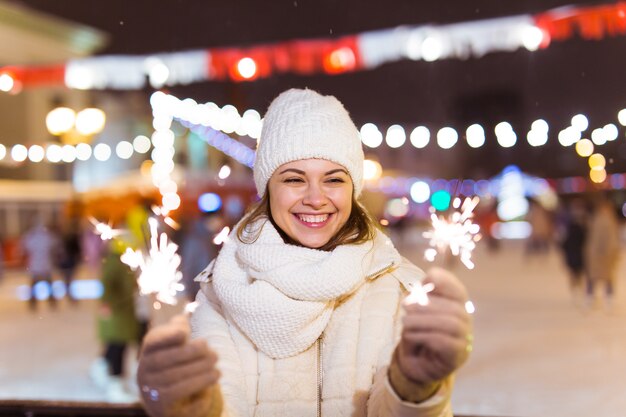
column 280, row 204
column 343, row 200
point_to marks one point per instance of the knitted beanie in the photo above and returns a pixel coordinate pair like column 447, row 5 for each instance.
column 303, row 124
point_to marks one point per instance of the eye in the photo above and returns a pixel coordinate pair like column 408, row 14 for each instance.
column 293, row 180
column 336, row 180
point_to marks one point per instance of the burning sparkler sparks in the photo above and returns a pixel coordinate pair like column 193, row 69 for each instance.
column 419, row 293
column 104, row 230
column 159, row 272
column 455, row 232
column 222, row 236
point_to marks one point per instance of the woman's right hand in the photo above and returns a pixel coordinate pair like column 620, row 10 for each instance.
column 178, row 376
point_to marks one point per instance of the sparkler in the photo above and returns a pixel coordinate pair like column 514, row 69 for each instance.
column 222, row 236
column 104, row 230
column 455, row 232
column 419, row 293
column 159, row 274
column 158, row 268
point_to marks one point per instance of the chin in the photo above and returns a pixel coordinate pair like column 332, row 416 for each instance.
column 313, row 243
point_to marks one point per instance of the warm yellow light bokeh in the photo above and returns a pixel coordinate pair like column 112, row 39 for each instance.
column 145, row 168
column 597, row 161
column 584, row 147
column 372, row 170
column 597, row 175
column 60, row 120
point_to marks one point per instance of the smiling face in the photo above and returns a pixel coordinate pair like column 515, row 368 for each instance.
column 310, row 200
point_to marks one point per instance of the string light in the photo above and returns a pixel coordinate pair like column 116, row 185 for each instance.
column 359, row 51
column 475, row 135
column 227, row 119
column 247, row 68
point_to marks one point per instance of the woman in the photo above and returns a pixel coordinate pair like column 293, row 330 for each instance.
column 602, row 249
column 302, row 313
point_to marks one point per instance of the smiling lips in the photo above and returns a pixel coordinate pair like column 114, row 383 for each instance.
column 313, row 220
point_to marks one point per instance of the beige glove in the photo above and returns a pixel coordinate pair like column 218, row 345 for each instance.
column 177, row 376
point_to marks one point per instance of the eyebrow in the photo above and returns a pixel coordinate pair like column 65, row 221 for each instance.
column 298, row 171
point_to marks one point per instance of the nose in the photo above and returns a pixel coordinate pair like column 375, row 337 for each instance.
column 314, row 196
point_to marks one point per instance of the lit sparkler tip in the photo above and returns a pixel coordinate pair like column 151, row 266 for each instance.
column 222, row 236
column 430, row 254
column 190, row 308
column 419, row 293
column 104, row 230
column 171, row 223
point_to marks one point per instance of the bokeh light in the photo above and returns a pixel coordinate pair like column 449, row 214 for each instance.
column 580, row 122
column 397, row 207
column 447, row 137
column 372, row 170
column 597, row 175
column 420, row 136
column 395, row 136
column 209, row 202
column 90, row 121
column 246, row 67
column 475, row 135
column 584, row 147
column 597, row 161
column 141, row 144
column 60, row 120
column 19, row 153
column 420, row 191
column 440, row 200
column 371, row 136
column 36, row 153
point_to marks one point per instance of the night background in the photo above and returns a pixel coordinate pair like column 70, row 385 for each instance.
column 569, row 77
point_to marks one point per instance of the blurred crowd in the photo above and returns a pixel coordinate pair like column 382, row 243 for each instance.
column 586, row 231
column 53, row 251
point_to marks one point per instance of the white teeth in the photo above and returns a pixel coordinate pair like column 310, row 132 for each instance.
column 313, row 219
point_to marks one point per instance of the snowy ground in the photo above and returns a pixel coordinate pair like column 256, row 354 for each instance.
column 535, row 353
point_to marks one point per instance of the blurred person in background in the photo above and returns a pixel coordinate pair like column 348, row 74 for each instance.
column 40, row 245
column 117, row 324
column 486, row 217
column 197, row 248
column 70, row 253
column 602, row 251
column 303, row 313
column 92, row 247
column 541, row 229
column 572, row 237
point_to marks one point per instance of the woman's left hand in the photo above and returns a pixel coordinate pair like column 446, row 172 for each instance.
column 436, row 337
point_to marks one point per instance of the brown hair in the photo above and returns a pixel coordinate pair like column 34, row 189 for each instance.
column 359, row 228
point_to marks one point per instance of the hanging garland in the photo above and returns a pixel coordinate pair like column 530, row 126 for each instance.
column 358, row 52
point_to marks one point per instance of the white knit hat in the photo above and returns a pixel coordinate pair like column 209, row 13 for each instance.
column 303, row 124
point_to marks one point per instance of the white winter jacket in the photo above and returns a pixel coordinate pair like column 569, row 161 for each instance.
column 343, row 374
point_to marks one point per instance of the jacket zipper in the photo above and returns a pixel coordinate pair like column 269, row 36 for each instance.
column 381, row 270
column 320, row 373
column 320, row 345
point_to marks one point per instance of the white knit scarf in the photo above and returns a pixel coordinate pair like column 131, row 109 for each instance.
column 282, row 295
